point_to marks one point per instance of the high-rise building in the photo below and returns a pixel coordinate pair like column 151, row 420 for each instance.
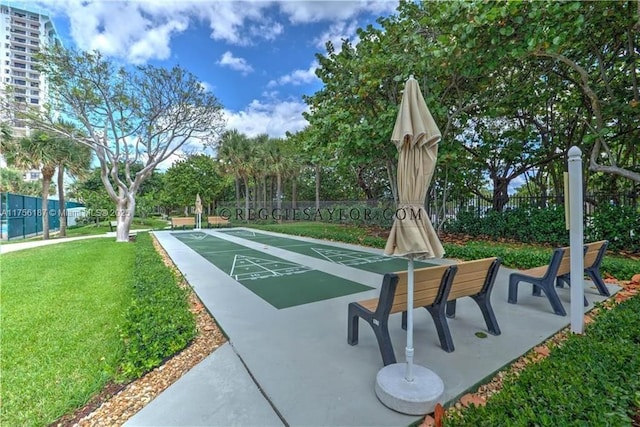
column 23, row 33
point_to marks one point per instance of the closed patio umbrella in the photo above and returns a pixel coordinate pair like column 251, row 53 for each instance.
column 416, row 136
column 198, row 211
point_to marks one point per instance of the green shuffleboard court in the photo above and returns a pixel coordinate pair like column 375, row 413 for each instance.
column 352, row 258
column 279, row 282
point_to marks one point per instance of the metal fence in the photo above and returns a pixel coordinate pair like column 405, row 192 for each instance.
column 21, row 216
column 450, row 208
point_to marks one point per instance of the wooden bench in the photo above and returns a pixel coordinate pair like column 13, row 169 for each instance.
column 113, row 225
column 216, row 221
column 547, row 277
column 593, row 255
column 183, row 222
column 433, row 287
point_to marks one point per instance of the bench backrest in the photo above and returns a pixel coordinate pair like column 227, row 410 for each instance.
column 561, row 258
column 429, row 284
column 183, row 221
column 217, row 220
column 473, row 277
column 594, row 252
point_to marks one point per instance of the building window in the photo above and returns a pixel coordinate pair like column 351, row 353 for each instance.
column 34, row 175
column 34, row 100
column 20, row 82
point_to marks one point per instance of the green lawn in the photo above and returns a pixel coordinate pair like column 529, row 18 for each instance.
column 62, row 310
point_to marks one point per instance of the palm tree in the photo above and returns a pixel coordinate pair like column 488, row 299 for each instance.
column 229, row 153
column 37, row 151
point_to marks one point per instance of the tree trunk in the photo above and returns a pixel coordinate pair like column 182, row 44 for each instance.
column 279, row 194
column 62, row 212
column 317, row 186
column 246, row 197
column 237, row 192
column 47, row 176
column 500, row 193
column 294, row 193
column 125, row 209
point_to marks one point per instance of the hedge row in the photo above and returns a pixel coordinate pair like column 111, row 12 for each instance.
column 158, row 322
column 618, row 224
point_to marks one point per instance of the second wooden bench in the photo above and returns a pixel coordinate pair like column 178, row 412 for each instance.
column 217, row 221
column 435, row 289
column 547, row 277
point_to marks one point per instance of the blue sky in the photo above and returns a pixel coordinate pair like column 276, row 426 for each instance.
column 257, row 57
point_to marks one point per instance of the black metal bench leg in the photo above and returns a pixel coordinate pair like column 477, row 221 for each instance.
column 596, row 278
column 380, row 329
column 561, row 280
column 404, row 320
column 451, row 309
column 513, row 290
column 484, row 302
column 440, row 320
column 384, row 342
column 352, row 326
column 554, row 300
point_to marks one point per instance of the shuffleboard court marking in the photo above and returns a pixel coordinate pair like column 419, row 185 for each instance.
column 258, row 268
column 199, row 236
column 348, row 258
column 241, row 233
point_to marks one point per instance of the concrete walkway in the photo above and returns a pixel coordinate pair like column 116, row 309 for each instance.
column 12, row 247
column 294, row 366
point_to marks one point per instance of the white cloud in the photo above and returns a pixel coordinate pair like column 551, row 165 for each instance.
column 297, row 77
column 239, row 64
column 335, row 33
column 273, row 118
column 300, row 12
column 139, row 31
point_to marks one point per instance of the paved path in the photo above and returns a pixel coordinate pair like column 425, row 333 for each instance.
column 12, row 247
column 294, row 367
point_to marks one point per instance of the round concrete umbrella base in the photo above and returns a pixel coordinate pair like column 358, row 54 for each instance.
column 417, row 397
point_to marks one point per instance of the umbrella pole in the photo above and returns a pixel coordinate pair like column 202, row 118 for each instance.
column 409, row 348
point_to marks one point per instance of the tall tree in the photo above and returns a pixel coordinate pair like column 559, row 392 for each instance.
column 197, row 174
column 230, row 154
column 36, row 151
column 140, row 116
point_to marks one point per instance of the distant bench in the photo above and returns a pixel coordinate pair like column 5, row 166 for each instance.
column 545, row 278
column 113, row 225
column 183, row 222
column 217, row 221
column 436, row 289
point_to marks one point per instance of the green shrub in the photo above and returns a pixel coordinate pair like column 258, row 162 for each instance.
column 523, row 224
column 158, row 322
column 618, row 224
column 591, row 379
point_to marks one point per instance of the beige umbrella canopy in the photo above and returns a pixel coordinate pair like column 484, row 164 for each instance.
column 198, row 204
column 198, row 211
column 416, row 136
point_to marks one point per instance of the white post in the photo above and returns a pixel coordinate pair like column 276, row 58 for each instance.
column 409, row 349
column 576, row 240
